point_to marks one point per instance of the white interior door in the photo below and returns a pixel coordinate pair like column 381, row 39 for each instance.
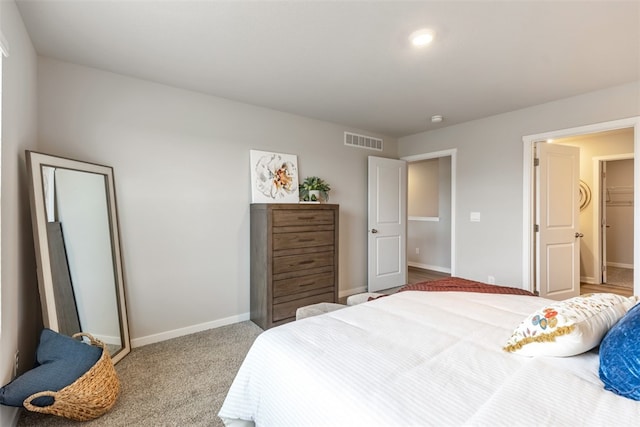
column 557, row 215
column 387, row 223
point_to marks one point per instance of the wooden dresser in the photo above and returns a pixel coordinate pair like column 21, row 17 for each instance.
column 294, row 259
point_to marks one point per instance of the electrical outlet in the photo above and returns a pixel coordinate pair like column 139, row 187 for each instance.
column 491, row 280
column 16, row 365
column 417, row 251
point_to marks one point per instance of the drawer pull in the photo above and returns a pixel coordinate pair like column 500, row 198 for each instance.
column 306, row 218
column 310, row 261
column 306, row 240
column 308, row 284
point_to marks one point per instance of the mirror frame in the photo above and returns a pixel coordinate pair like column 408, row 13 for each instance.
column 35, row 163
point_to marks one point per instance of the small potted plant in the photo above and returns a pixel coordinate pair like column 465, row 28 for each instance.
column 314, row 189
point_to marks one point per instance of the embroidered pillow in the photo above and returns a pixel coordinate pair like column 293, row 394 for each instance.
column 620, row 356
column 568, row 327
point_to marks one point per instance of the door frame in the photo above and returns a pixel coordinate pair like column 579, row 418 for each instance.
column 596, row 197
column 528, row 237
column 434, row 155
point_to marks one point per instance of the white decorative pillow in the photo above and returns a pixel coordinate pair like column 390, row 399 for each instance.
column 568, row 327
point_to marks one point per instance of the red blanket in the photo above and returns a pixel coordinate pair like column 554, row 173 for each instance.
column 456, row 284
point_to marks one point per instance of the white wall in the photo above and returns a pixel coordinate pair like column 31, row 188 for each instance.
column 181, row 165
column 489, row 173
column 20, row 307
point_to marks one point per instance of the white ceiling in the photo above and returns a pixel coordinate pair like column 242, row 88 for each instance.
column 350, row 62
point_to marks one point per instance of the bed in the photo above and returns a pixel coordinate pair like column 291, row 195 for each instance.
column 419, row 358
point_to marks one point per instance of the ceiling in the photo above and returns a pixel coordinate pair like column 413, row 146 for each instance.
column 351, row 62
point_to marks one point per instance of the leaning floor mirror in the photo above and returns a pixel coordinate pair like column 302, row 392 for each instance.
column 75, row 227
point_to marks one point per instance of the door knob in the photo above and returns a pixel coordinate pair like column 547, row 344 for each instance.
column 579, row 234
column 374, row 231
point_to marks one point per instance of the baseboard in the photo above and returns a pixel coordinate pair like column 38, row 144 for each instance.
column 430, row 267
column 150, row 339
column 619, row 265
column 352, row 291
column 589, row 280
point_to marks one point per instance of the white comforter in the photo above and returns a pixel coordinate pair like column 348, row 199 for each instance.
column 418, row 359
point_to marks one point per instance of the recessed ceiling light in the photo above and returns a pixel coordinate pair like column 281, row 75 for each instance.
column 422, row 37
column 436, row 119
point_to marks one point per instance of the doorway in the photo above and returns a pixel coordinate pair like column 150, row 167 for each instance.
column 530, row 265
column 612, row 149
column 614, row 220
column 430, row 232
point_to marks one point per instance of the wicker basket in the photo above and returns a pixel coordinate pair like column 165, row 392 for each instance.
column 89, row 397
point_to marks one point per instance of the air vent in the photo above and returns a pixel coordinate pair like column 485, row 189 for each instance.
column 362, row 141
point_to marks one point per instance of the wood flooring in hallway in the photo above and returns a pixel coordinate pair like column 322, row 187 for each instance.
column 586, row 288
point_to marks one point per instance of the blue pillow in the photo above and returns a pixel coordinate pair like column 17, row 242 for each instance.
column 60, row 361
column 620, row 356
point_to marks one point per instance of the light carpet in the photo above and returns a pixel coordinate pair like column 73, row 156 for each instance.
column 178, row 382
column 622, row 277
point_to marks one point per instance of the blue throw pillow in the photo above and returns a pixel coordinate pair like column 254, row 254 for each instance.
column 60, row 361
column 620, row 356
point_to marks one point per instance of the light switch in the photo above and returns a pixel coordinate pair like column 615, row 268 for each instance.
column 474, row 217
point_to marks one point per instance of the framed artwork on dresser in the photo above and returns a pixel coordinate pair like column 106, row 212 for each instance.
column 274, row 177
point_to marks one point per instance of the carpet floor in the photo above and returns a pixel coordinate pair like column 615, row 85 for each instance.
column 178, row 382
column 622, row 277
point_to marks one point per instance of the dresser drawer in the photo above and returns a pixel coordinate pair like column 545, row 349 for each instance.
column 302, row 240
column 301, row 262
column 286, row 218
column 288, row 309
column 302, row 284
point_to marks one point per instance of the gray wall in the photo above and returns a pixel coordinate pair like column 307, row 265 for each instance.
column 181, row 165
column 422, row 188
column 490, row 176
column 20, row 320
